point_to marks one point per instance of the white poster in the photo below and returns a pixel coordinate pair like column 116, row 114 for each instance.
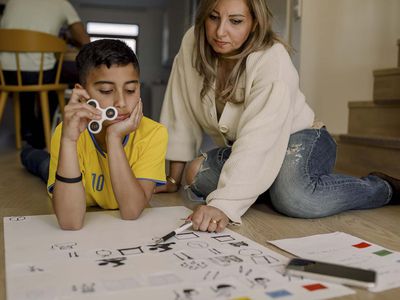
column 115, row 259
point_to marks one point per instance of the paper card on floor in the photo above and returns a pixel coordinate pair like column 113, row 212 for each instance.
column 346, row 249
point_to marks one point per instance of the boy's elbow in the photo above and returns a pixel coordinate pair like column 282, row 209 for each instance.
column 68, row 225
column 130, row 215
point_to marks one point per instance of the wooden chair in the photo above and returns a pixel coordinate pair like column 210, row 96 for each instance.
column 20, row 41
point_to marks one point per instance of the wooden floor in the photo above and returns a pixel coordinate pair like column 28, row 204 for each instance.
column 24, row 194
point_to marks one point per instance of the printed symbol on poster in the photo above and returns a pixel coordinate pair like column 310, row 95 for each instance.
column 186, row 294
column 194, row 265
column 239, row 244
column 225, row 261
column 64, row 246
column 116, row 261
column 131, row 251
column 103, row 253
column 84, row 288
column 162, row 247
column 223, row 290
column 186, row 236
column 17, row 218
column 223, row 238
column 197, row 244
column 34, row 269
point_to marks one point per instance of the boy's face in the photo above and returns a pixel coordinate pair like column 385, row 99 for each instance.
column 116, row 86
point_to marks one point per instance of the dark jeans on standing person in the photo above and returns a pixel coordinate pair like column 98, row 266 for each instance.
column 31, row 115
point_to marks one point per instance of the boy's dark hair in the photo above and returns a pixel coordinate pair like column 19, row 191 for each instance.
column 104, row 52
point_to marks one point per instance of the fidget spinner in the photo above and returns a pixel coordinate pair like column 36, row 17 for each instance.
column 108, row 113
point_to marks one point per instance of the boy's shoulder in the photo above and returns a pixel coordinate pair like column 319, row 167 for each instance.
column 149, row 127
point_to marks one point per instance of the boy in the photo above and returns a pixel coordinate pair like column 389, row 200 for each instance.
column 118, row 167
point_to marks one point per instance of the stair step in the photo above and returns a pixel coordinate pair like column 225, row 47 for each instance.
column 387, row 84
column 369, row 118
column 360, row 155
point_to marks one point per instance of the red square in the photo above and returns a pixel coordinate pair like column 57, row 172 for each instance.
column 314, row 287
column 362, row 245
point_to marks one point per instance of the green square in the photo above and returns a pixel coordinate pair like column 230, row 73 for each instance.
column 383, row 252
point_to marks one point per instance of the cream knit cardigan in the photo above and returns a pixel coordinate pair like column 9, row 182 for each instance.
column 259, row 128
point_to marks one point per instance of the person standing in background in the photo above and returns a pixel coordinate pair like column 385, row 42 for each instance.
column 46, row 16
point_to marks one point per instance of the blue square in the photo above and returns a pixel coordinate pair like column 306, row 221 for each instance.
column 279, row 294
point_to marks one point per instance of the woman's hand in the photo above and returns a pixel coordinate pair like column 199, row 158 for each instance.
column 208, row 218
column 78, row 114
column 125, row 127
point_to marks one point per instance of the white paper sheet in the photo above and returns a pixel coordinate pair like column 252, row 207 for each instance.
column 113, row 258
column 343, row 248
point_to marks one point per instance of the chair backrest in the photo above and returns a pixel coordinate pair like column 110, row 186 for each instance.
column 23, row 41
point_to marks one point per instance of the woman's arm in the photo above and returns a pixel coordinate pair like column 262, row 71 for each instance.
column 173, row 179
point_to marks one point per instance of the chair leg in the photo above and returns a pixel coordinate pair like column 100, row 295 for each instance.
column 61, row 101
column 17, row 120
column 3, row 100
column 44, row 103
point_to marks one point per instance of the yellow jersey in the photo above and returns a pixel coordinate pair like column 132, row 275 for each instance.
column 145, row 149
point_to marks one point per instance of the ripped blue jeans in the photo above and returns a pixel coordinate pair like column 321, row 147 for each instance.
column 306, row 186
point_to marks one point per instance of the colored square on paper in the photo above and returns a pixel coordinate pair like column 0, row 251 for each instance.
column 383, row 252
column 362, row 245
column 314, row 287
column 279, row 294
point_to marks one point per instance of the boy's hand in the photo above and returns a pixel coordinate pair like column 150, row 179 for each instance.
column 121, row 129
column 77, row 115
column 209, row 218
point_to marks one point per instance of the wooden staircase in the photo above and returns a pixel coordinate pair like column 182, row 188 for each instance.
column 373, row 139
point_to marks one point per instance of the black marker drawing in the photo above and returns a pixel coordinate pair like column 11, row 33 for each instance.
column 223, row 238
column 197, row 244
column 186, row 294
column 265, row 259
column 163, row 247
column 223, row 290
column 186, row 236
column 64, row 246
column 262, row 281
column 117, row 261
column 250, row 252
column 103, row 253
column 181, row 258
column 226, row 260
column 194, row 265
column 239, row 244
column 34, row 269
column 131, row 251
column 214, row 251
column 73, row 254
column 17, row 218
column 84, row 288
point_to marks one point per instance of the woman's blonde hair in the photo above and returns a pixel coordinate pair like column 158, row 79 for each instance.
column 205, row 59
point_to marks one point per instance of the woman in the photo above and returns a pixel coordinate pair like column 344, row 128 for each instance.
column 233, row 79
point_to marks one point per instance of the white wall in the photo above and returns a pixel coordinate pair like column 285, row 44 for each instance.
column 342, row 42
